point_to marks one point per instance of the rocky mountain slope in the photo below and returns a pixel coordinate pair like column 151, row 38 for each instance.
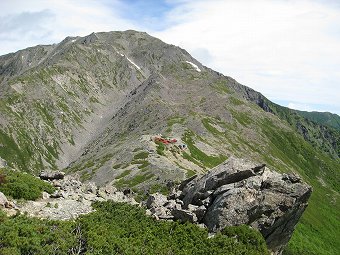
column 94, row 105
column 318, row 129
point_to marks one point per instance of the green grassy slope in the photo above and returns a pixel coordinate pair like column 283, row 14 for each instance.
column 313, row 129
column 324, row 138
column 323, row 118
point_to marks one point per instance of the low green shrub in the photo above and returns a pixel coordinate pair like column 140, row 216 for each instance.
column 118, row 228
column 23, row 235
column 22, row 186
column 141, row 155
column 248, row 236
column 160, row 148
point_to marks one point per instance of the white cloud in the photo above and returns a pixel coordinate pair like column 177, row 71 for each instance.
column 28, row 23
column 302, row 107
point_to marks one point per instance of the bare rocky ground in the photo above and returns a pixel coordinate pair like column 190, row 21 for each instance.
column 71, row 199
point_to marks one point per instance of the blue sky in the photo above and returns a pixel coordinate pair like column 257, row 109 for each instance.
column 287, row 50
column 149, row 14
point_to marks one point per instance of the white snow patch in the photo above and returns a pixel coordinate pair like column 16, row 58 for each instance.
column 194, row 66
column 129, row 60
column 133, row 63
column 120, row 53
column 73, row 40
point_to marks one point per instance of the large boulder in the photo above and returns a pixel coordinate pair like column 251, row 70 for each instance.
column 184, row 215
column 242, row 192
column 156, row 200
column 52, row 175
column 231, row 171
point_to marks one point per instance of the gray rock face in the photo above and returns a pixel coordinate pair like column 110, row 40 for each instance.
column 3, row 163
column 3, row 200
column 184, row 215
column 5, row 203
column 240, row 192
column 156, row 200
column 201, row 188
column 267, row 202
column 51, row 175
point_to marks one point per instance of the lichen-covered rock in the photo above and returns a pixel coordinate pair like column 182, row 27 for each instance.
column 245, row 193
column 184, row 215
column 90, row 187
column 156, row 200
column 231, row 171
column 7, row 205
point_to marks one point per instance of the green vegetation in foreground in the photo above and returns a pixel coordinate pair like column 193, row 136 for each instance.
column 117, row 228
column 22, row 186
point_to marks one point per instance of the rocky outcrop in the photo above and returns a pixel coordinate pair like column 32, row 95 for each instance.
column 9, row 207
column 3, row 200
column 3, row 163
column 71, row 199
column 51, row 175
column 239, row 192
